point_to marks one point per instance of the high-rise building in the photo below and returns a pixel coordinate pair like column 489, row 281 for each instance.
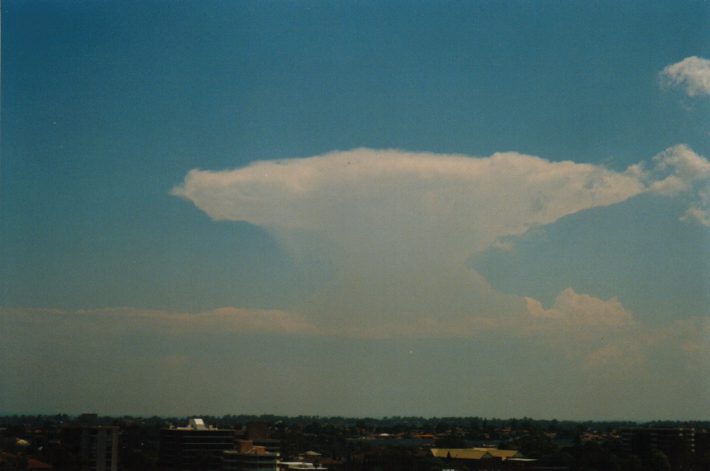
column 195, row 447
column 678, row 444
column 91, row 447
column 702, row 450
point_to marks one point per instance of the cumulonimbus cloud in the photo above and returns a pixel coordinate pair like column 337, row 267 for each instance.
column 398, row 227
column 390, row 190
column 456, row 199
column 692, row 74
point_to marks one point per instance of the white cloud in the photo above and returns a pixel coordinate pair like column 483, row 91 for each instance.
column 677, row 169
column 692, row 74
column 699, row 210
column 397, row 228
column 603, row 340
column 451, row 202
column 581, row 310
column 588, row 331
column 680, row 170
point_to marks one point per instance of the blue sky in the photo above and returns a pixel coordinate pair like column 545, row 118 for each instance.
column 423, row 208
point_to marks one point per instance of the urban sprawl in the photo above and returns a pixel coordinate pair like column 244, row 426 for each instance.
column 270, row 443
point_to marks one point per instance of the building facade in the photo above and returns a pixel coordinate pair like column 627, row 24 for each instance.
column 235, row 460
column 94, row 448
column 678, row 444
column 195, row 447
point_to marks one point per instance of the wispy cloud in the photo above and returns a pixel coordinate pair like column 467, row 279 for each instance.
column 120, row 320
column 54, row 357
column 692, row 74
column 595, row 341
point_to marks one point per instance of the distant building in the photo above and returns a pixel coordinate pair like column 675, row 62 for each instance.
column 37, row 465
column 92, row 447
column 295, row 465
column 195, row 447
column 486, row 458
column 702, row 450
column 257, row 431
column 678, row 444
column 249, row 458
column 259, row 434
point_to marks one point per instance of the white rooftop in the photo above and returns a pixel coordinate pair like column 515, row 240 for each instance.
column 197, row 424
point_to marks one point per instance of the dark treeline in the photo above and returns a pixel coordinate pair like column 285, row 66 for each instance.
column 383, row 424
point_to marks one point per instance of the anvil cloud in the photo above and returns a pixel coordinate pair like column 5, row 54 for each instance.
column 398, row 227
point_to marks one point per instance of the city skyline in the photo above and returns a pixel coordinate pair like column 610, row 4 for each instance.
column 354, row 209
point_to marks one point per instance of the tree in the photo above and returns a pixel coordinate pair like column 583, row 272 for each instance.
column 536, row 444
column 658, row 461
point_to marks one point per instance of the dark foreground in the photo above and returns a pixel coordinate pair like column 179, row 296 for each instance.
column 60, row 442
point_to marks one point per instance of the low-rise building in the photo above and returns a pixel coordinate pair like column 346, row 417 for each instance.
column 295, row 465
column 248, row 457
column 483, row 458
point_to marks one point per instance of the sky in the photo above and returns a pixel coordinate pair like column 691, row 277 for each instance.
column 495, row 209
